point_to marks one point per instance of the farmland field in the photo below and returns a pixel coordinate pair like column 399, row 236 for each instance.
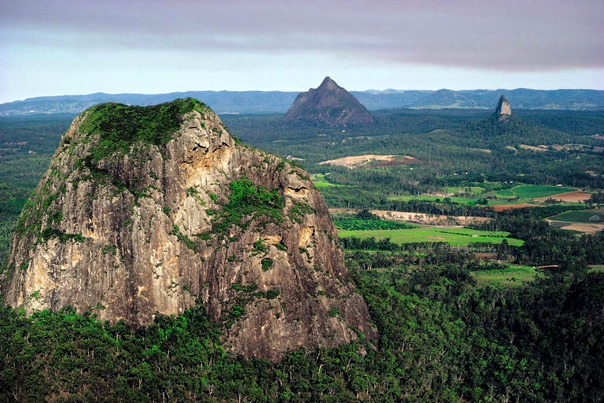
column 453, row 236
column 320, row 182
column 505, row 193
column 537, row 191
column 583, row 216
column 512, row 276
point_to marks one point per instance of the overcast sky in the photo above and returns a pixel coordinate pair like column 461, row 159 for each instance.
column 57, row 47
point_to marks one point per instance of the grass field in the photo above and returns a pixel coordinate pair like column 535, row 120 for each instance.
column 320, row 182
column 583, row 216
column 453, row 236
column 519, row 194
column 474, row 190
column 529, row 192
column 513, row 276
column 505, row 193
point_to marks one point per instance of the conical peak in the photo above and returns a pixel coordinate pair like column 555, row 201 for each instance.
column 329, row 84
column 329, row 103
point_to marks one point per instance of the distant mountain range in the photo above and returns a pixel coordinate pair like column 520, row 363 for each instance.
column 256, row 102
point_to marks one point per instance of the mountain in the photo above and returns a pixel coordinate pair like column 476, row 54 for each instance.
column 147, row 210
column 256, row 102
column 329, row 103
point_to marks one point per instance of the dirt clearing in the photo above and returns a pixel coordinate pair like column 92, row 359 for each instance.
column 360, row 160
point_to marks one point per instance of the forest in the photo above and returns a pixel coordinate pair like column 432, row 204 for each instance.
column 444, row 336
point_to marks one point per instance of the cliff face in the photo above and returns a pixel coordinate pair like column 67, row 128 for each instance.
column 503, row 109
column 329, row 103
column 147, row 210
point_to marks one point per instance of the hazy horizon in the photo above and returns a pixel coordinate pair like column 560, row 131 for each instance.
column 64, row 48
column 290, row 91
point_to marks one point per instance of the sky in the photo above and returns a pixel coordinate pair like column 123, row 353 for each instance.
column 60, row 47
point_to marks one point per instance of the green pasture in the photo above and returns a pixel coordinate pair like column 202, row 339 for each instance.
column 473, row 190
column 536, row 191
column 512, row 276
column 505, row 194
column 320, row 181
column 581, row 216
column 453, row 236
column 520, row 194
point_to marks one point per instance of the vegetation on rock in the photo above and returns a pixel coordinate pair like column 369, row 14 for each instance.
column 119, row 126
column 248, row 202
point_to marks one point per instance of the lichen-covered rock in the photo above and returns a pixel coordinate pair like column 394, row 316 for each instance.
column 147, row 210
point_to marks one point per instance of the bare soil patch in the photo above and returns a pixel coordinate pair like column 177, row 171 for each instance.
column 571, row 197
column 585, row 228
column 505, row 207
column 360, row 160
column 420, row 218
column 429, row 219
column 533, row 148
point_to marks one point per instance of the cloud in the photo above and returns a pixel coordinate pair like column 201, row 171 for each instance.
column 514, row 35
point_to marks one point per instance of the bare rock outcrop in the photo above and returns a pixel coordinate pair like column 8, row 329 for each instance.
column 147, row 210
column 504, row 109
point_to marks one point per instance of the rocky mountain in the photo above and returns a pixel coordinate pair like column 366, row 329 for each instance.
column 329, row 103
column 150, row 209
column 253, row 102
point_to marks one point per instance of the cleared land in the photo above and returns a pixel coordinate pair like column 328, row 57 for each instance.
column 429, row 219
column 538, row 191
column 451, row 235
column 512, row 276
column 419, row 218
column 360, row 160
column 505, row 207
column 570, row 197
column 586, row 221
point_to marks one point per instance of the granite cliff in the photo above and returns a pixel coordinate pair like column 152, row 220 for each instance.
column 147, row 210
column 503, row 109
column 330, row 104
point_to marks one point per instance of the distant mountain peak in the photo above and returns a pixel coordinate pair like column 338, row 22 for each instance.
column 504, row 109
column 329, row 103
column 329, row 84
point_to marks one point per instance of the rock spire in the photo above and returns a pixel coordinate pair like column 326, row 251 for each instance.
column 503, row 110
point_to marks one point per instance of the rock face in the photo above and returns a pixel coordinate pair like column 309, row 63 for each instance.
column 503, row 110
column 148, row 209
column 329, row 103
